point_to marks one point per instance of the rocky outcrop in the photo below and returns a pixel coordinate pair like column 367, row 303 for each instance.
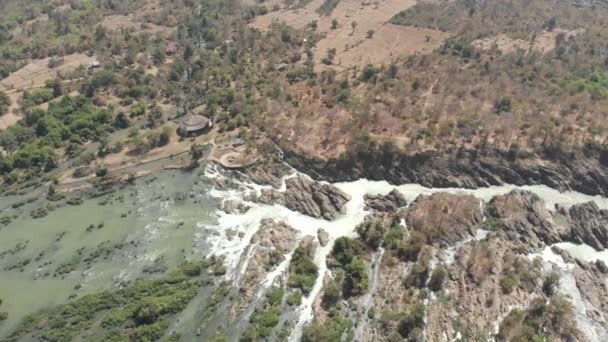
column 275, row 235
column 589, row 225
column 458, row 168
column 445, row 218
column 523, row 217
column 308, row 197
column 323, row 237
column 234, row 207
column 385, row 203
column 591, row 282
column 267, row 250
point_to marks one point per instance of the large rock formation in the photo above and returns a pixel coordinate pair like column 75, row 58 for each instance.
column 445, row 217
column 308, row 197
column 385, row 203
column 462, row 169
column 523, row 217
column 267, row 250
column 589, row 225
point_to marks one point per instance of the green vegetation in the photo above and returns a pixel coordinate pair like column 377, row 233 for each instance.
column 3, row 314
column 5, row 103
column 139, row 310
column 331, row 330
column 412, row 322
column 372, row 233
column 596, row 84
column 541, row 322
column 294, row 298
column 438, row 278
column 263, row 320
column 72, row 120
column 550, row 283
column 419, row 274
column 348, row 254
column 303, row 271
column 519, row 272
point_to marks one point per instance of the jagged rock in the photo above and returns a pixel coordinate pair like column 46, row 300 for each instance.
column 309, row 242
column 323, row 237
column 458, row 168
column 591, row 282
column 308, row 197
column 602, row 266
column 589, row 225
column 523, row 217
column 445, row 217
column 232, row 207
column 277, row 235
column 385, row 203
column 267, row 249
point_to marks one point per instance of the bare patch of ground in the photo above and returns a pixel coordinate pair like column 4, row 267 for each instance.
column 543, row 41
column 11, row 117
column 36, row 73
column 391, row 41
column 362, row 34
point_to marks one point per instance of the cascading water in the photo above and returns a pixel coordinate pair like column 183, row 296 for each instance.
column 246, row 224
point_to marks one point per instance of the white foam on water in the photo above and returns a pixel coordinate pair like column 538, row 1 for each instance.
column 569, row 288
column 583, row 252
column 246, row 224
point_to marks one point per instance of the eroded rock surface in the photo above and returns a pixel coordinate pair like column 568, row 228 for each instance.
column 523, row 217
column 267, row 250
column 308, row 197
column 385, row 203
column 444, row 217
column 589, row 225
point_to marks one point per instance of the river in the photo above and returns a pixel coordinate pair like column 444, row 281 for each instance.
column 164, row 219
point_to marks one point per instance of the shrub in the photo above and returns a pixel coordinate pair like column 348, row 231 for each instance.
column 368, row 74
column 503, row 105
column 412, row 320
column 438, row 278
column 508, row 283
column 356, row 279
column 295, row 298
column 5, row 103
column 550, row 283
column 418, row 274
column 303, row 271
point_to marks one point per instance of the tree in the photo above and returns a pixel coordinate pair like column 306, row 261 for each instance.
column 438, row 278
column 353, row 24
column 196, row 151
column 158, row 56
column 504, row 105
column 334, row 24
column 5, row 103
column 57, row 88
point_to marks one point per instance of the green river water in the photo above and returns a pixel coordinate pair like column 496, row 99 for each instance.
column 140, row 230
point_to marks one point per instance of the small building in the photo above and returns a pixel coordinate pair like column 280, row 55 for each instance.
column 193, row 125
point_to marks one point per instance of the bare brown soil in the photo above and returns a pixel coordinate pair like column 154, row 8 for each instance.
column 37, row 72
column 542, row 42
column 363, row 34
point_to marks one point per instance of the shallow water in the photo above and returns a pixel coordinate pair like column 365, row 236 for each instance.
column 156, row 227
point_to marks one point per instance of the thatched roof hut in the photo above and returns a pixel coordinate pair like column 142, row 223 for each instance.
column 193, row 124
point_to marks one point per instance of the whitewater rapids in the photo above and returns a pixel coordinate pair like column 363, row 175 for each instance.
column 246, row 224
